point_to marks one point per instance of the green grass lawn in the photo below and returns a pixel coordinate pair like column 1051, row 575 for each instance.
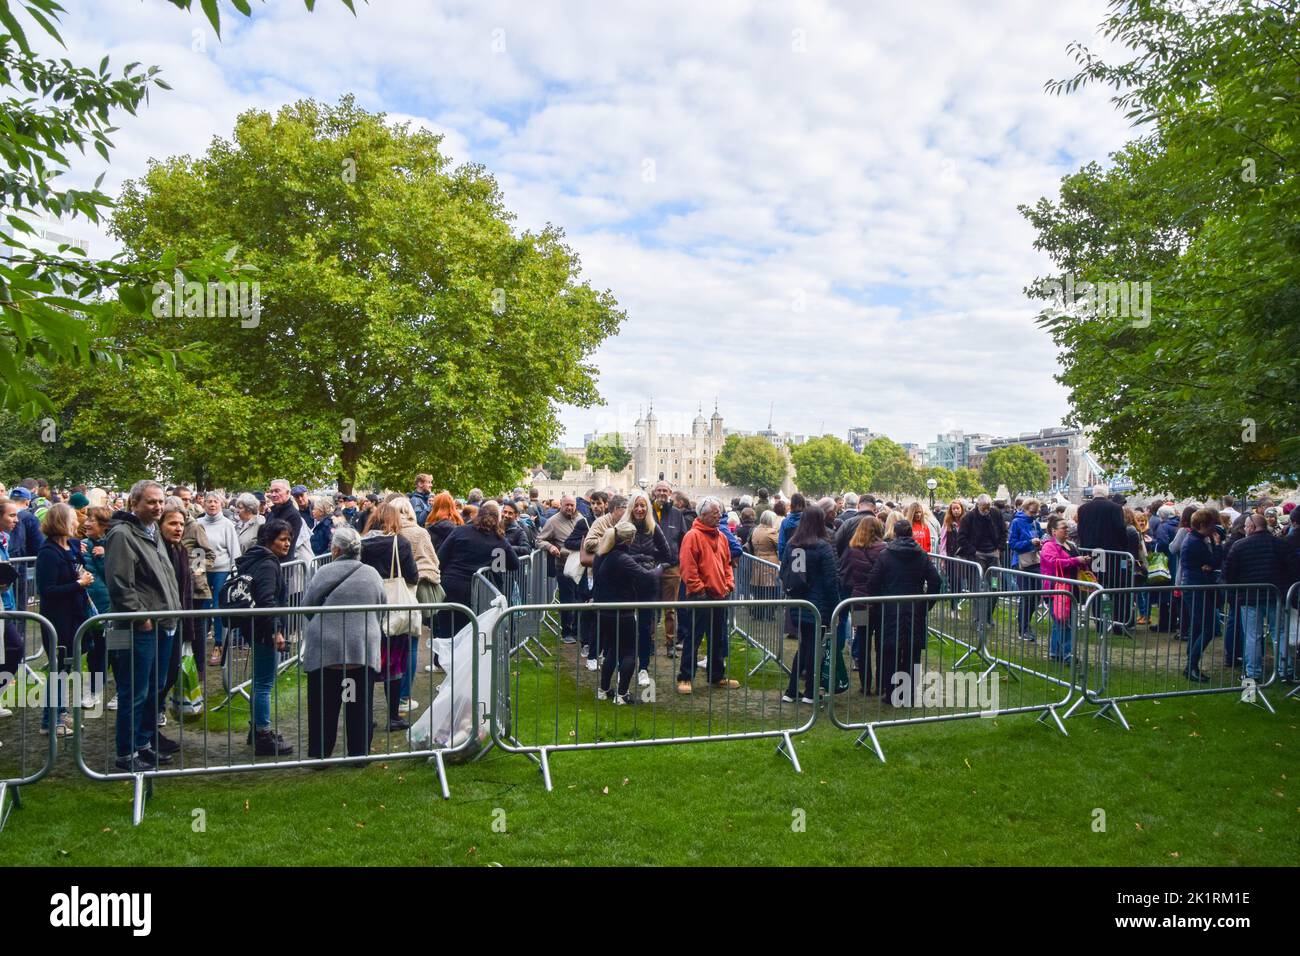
column 1197, row 782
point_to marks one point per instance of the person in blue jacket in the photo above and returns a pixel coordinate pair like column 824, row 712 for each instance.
column 1024, row 543
column 790, row 522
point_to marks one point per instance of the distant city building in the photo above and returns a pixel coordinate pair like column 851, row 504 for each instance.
column 915, row 454
column 860, row 438
column 954, row 450
column 1063, row 450
column 50, row 233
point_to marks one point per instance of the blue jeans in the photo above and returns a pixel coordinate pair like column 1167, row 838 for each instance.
column 138, row 681
column 265, row 659
column 1200, row 612
column 1250, row 631
column 1028, row 605
column 408, row 676
column 215, row 580
column 1060, row 645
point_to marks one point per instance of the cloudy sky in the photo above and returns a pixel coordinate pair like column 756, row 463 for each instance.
column 805, row 203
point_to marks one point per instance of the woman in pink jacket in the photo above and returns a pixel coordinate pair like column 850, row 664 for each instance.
column 1061, row 559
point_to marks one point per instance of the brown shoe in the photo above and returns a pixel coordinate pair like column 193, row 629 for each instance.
column 726, row 683
column 684, row 687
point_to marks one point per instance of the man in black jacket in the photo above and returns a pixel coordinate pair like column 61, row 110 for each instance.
column 980, row 537
column 1258, row 559
column 902, row 568
column 1101, row 527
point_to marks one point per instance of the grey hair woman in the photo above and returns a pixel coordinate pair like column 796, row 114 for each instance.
column 342, row 651
column 248, row 518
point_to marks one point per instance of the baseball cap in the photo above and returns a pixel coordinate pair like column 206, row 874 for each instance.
column 298, row 490
column 20, row 494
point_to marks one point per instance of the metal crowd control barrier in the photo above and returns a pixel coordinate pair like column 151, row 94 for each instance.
column 1117, row 570
column 1146, row 664
column 539, row 712
column 1289, row 652
column 761, row 626
column 959, row 576
column 235, row 667
column 1022, row 598
column 213, row 746
column 904, row 678
column 28, row 599
column 26, row 694
column 514, row 588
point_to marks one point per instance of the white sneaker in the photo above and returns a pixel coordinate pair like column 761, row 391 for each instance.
column 592, row 663
column 91, row 700
column 112, row 704
column 602, row 694
column 584, row 650
column 642, row 678
column 162, row 718
column 408, row 705
column 702, row 662
column 622, row 700
column 6, row 712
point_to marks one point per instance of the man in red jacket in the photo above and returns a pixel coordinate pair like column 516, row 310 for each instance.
column 706, row 572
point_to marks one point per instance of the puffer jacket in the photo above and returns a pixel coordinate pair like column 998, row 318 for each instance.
column 855, row 569
column 818, row 583
column 269, row 590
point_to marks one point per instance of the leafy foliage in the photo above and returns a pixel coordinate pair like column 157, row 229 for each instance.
column 58, row 308
column 750, row 462
column 828, row 465
column 1198, row 396
column 1016, row 467
column 891, row 470
column 558, row 461
column 402, row 320
column 607, row 451
column 969, row 484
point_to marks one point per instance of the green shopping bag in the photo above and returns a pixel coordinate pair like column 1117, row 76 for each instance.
column 189, row 702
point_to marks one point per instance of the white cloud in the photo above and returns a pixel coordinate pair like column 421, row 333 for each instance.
column 868, row 161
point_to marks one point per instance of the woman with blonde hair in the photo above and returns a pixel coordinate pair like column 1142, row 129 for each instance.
column 428, row 590
column 948, row 533
column 61, row 583
column 649, row 548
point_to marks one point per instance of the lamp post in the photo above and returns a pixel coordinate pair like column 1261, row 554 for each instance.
column 932, row 484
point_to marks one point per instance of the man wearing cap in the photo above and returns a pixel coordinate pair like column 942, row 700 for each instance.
column 303, row 502
column 27, row 537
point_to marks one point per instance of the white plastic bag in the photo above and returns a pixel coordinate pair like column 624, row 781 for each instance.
column 450, row 721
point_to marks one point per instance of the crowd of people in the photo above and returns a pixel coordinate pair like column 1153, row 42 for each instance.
column 155, row 550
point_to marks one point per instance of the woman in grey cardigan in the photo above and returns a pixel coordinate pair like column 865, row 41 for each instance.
column 341, row 656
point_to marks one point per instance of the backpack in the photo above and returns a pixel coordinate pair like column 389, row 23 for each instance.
column 237, row 594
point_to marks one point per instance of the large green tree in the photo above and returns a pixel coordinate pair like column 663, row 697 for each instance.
column 828, row 465
column 1016, row 467
column 968, row 482
column 58, row 309
column 607, row 451
column 750, row 462
column 557, row 462
column 892, row 472
column 401, row 318
column 1195, row 390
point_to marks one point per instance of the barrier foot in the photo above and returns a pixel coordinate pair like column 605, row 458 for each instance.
column 143, row 791
column 231, row 695
column 1293, row 692
column 870, row 732
column 545, row 763
column 1259, row 699
column 962, row 660
column 767, row 656
column 1109, row 706
column 442, row 774
column 1075, row 706
column 1051, row 712
column 524, row 647
column 786, row 747
column 6, row 805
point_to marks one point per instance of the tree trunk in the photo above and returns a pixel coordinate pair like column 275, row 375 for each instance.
column 348, row 459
